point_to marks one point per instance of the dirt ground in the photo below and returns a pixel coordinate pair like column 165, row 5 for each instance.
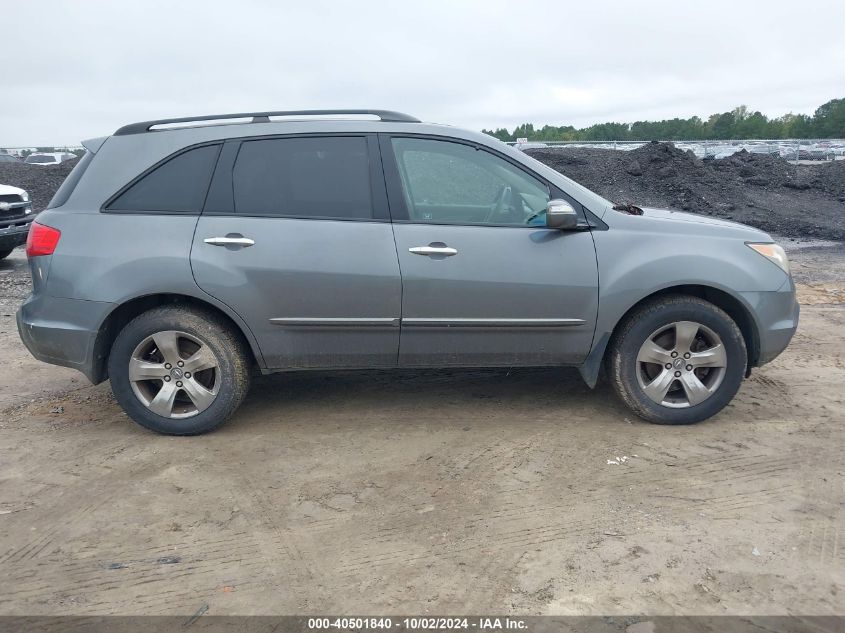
column 495, row 491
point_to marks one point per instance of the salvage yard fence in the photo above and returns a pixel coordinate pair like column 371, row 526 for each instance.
column 791, row 149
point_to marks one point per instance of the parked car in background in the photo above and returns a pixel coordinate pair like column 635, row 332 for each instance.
column 178, row 258
column 763, row 148
column 15, row 217
column 820, row 153
column 724, row 151
column 529, row 145
column 8, row 158
column 49, row 158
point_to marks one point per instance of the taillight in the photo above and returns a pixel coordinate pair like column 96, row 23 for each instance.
column 41, row 240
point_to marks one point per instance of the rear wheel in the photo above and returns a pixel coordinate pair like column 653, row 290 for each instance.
column 677, row 360
column 5, row 252
column 179, row 370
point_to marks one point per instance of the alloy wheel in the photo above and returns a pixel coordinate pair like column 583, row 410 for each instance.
column 174, row 374
column 681, row 364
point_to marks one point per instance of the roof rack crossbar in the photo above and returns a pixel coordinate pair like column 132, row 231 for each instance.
column 264, row 117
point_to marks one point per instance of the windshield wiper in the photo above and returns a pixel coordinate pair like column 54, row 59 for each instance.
column 628, row 208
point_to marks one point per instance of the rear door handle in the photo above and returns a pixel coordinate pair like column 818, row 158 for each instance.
column 233, row 239
column 443, row 251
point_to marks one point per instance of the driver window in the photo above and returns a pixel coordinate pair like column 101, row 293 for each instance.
column 453, row 183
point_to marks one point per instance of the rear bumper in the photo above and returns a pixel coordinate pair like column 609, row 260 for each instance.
column 776, row 315
column 13, row 232
column 63, row 331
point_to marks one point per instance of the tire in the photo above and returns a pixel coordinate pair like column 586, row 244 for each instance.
column 639, row 370
column 5, row 252
column 186, row 404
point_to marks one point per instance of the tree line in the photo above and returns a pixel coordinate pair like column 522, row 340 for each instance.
column 828, row 121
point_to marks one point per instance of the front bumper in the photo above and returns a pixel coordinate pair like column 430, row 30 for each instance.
column 776, row 316
column 63, row 331
column 13, row 231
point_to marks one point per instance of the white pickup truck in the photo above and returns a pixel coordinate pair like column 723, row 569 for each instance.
column 15, row 217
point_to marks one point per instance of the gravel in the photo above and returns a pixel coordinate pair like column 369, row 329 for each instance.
column 756, row 189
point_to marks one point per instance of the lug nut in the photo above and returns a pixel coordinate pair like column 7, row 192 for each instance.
column 181, row 364
column 674, row 354
column 167, row 379
column 689, row 367
column 677, row 375
column 668, row 365
column 167, row 365
column 687, row 355
column 187, row 374
column 179, row 382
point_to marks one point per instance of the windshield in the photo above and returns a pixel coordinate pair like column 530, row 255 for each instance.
column 40, row 158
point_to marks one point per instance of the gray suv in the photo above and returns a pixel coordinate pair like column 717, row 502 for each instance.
column 182, row 255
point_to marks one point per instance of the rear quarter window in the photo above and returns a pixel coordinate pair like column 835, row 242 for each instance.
column 63, row 192
column 178, row 185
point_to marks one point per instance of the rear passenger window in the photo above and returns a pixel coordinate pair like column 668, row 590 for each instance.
column 177, row 186
column 63, row 193
column 313, row 177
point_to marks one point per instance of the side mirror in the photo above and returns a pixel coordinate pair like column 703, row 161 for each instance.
column 561, row 215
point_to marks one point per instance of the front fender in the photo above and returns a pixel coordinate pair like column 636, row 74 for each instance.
column 637, row 263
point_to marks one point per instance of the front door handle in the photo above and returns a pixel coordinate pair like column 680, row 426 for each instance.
column 433, row 249
column 232, row 239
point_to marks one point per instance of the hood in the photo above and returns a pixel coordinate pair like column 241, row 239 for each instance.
column 6, row 190
column 679, row 223
column 680, row 216
column 703, row 223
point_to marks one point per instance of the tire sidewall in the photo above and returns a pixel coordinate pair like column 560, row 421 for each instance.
column 183, row 321
column 699, row 312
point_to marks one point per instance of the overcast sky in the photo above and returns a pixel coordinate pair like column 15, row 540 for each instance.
column 71, row 70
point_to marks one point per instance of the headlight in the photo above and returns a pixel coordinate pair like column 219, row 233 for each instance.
column 25, row 196
column 774, row 253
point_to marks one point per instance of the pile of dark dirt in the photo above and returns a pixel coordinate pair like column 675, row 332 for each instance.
column 756, row 189
column 40, row 182
column 829, row 178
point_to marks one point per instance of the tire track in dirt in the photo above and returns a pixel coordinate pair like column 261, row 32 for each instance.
column 386, row 534
column 68, row 508
column 84, row 577
column 34, row 547
column 822, row 544
column 162, row 568
column 491, row 526
column 632, row 474
column 753, row 472
column 820, row 540
column 281, row 559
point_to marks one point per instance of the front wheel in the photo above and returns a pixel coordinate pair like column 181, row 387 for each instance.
column 179, row 370
column 677, row 360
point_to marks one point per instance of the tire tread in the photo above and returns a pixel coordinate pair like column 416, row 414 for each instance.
column 652, row 311
column 209, row 326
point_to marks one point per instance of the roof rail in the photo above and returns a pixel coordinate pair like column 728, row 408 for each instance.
column 263, row 117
